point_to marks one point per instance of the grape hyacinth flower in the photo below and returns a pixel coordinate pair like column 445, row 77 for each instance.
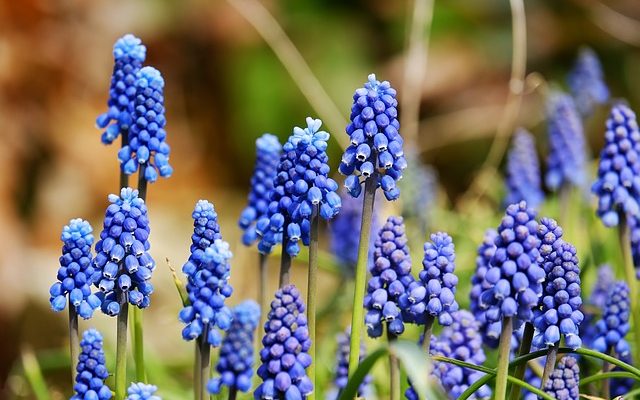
column 268, row 150
column 614, row 325
column 563, row 383
column 142, row 391
column 567, row 160
column 147, row 148
column 586, row 82
column 122, row 253
column 302, row 182
column 523, row 171
column 490, row 331
column 419, row 185
column 128, row 53
column 76, row 273
column 341, row 375
column 235, row 364
column 376, row 144
column 390, row 278
column 598, row 299
column 618, row 182
column 91, row 368
column 621, row 386
column 284, row 355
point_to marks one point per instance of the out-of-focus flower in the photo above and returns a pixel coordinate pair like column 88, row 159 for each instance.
column 419, row 186
column 523, row 171
column 91, row 368
column 614, row 325
column 622, row 386
column 598, row 299
column 586, row 82
column 564, row 380
column 490, row 330
column 341, row 375
column 142, row 391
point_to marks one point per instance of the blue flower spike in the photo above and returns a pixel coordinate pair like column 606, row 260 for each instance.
column 129, row 54
column 376, row 144
column 91, row 368
column 523, row 171
column 614, row 325
column 586, row 82
column 341, row 375
column 122, row 253
column 419, row 187
column 142, row 391
column 564, row 380
column 76, row 273
column 268, row 150
column 486, row 250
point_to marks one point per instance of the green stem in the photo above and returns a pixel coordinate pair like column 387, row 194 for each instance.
column 197, row 383
column 525, row 348
column 607, row 376
column 138, row 345
column 426, row 336
column 394, row 370
column 233, row 393
column 550, row 364
column 34, row 375
column 361, row 273
column 121, row 348
column 124, row 178
column 312, row 288
column 285, row 260
column 606, row 384
column 74, row 341
column 632, row 280
column 504, row 348
column 205, row 361
column 263, row 267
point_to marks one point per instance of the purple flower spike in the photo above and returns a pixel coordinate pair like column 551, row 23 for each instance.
column 587, row 84
column 490, row 330
column 341, row 375
column 564, row 380
column 523, row 171
column 614, row 325
column 92, row 369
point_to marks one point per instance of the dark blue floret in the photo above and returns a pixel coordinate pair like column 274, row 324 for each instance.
column 285, row 356
column 490, row 331
column 76, row 273
column 614, row 325
column 122, row 253
column 523, row 171
column 564, row 380
column 268, row 150
column 128, row 54
column 586, row 82
column 235, row 364
column 91, row 368
column 376, row 144
column 341, row 374
column 142, row 391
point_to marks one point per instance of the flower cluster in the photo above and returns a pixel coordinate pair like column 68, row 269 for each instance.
column 147, row 147
column 142, row 391
column 419, row 185
column 614, row 325
column 268, row 150
column 76, row 273
column 91, row 368
column 563, row 382
column 560, row 312
column 515, row 278
column 376, row 144
column 301, row 184
column 486, row 250
column 390, row 279
column 128, row 54
column 567, row 159
column 618, row 183
column 598, row 299
column 341, row 375
column 235, row 364
column 622, row 386
column 523, row 171
column 122, row 253
column 586, row 82
column 286, row 344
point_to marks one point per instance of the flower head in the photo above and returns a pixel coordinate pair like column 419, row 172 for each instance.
column 285, row 356
column 618, row 182
column 76, row 273
column 341, row 375
column 147, row 148
column 376, row 144
column 235, row 364
column 586, row 82
column 142, row 391
column 122, row 253
column 523, row 171
column 268, row 150
column 490, row 330
column 614, row 325
column 91, row 368
column 128, row 54
column 564, row 380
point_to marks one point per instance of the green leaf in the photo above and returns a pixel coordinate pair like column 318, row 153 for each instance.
column 351, row 390
column 607, row 375
column 417, row 367
column 182, row 290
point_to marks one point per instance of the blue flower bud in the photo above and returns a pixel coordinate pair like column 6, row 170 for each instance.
column 142, row 391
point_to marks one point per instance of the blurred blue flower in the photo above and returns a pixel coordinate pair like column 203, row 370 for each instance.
column 91, row 368
column 142, row 391
column 614, row 324
column 341, row 375
column 586, row 82
column 490, row 330
column 622, row 386
column 564, row 380
column 598, row 299
column 419, row 186
column 523, row 171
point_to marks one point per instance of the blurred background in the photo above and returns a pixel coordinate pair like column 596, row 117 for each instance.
column 224, row 88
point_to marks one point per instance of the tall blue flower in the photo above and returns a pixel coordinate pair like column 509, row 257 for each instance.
column 486, row 250
column 597, row 300
column 302, row 182
column 76, row 273
column 142, row 391
column 614, row 325
column 235, row 364
column 268, row 150
column 618, row 183
column 122, row 253
column 564, row 380
column 586, row 82
column 390, row 278
column 128, row 54
column 523, row 171
column 560, row 307
column 147, row 147
column 285, row 356
column 419, row 185
column 341, row 374
column 376, row 144
column 515, row 278
column 91, row 368
column 567, row 160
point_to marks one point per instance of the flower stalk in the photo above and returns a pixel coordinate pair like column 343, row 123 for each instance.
column 426, row 338
column 285, row 261
column 312, row 288
column 630, row 276
column 263, row 268
column 504, row 348
column 137, row 325
column 204, row 364
column 121, row 348
column 394, row 370
column 74, row 340
column 525, row 348
column 550, row 364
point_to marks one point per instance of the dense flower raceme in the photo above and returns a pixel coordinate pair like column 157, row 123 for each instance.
column 490, row 330
column 567, row 159
column 142, row 391
column 390, row 278
column 597, row 301
column 622, row 386
column 614, row 325
column 341, row 375
column 564, row 380
column 147, row 148
column 618, row 182
column 419, row 186
column 76, row 273
column 561, row 299
column 268, row 150
column 91, row 368
column 376, row 145
column 586, row 82
column 286, row 344
column 515, row 278
column 302, row 182
column 128, row 54
column 523, row 171
column 122, row 253
column 235, row 364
